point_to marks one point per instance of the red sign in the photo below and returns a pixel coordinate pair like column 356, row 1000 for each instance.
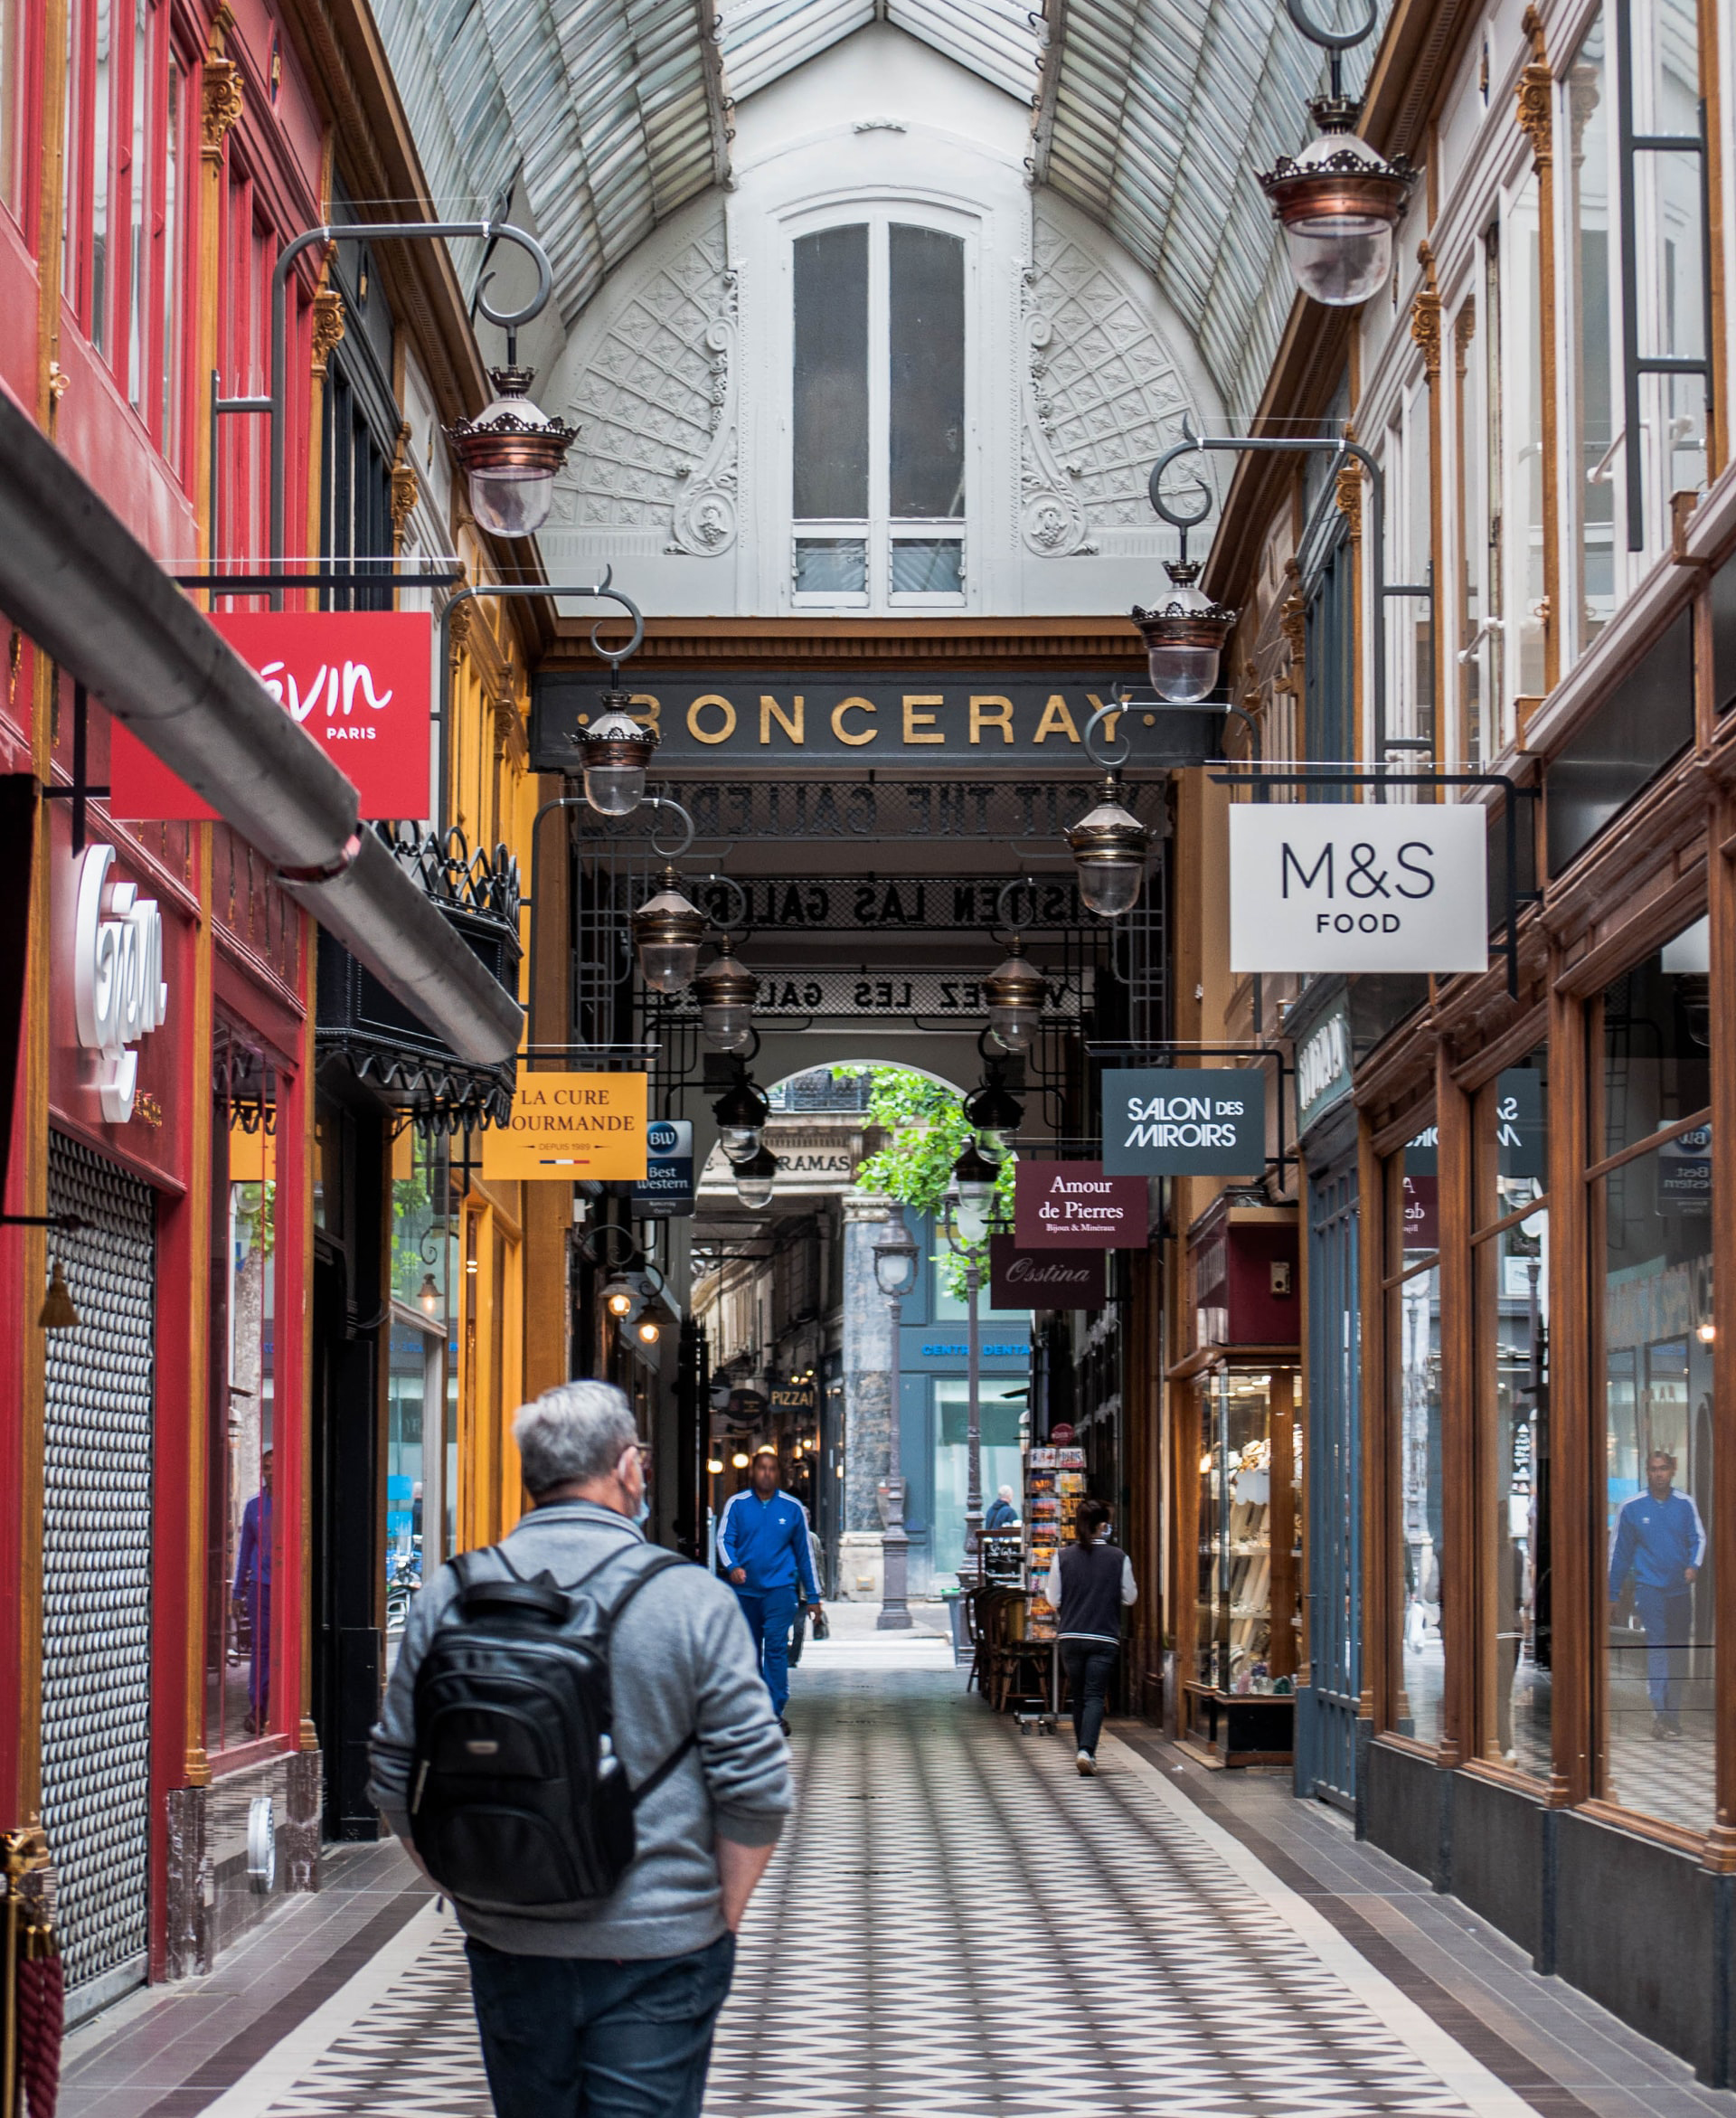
column 1421, row 1212
column 1045, row 1279
column 1072, row 1205
column 358, row 682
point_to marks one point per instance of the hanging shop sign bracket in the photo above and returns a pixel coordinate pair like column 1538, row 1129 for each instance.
column 1511, row 789
column 1343, row 447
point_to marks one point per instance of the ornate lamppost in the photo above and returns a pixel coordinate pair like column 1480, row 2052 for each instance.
column 895, row 1263
column 970, row 1199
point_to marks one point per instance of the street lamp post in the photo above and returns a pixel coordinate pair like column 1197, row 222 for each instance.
column 969, row 1198
column 895, row 1261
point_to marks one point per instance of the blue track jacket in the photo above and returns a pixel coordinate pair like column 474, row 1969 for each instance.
column 770, row 1538
column 1659, row 1540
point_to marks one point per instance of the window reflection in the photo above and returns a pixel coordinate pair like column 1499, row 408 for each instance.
column 240, row 1532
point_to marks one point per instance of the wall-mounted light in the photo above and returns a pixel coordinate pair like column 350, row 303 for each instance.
column 726, row 991
column 1184, row 637
column 970, row 1196
column 740, row 1111
column 429, row 1295
column 649, row 1330
column 756, row 1178
column 666, row 932
column 615, row 750
column 995, row 1114
column 510, row 454
column 1014, row 992
column 1109, row 846
column 739, row 1460
column 715, row 1464
column 622, row 1299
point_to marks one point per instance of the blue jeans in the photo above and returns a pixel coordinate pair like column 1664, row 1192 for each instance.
column 1089, row 1664
column 594, row 2036
column 769, row 1618
column 1667, row 1615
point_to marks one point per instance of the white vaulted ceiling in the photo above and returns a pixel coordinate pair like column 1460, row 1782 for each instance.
column 1152, row 116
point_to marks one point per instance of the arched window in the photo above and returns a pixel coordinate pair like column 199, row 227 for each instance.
column 877, row 471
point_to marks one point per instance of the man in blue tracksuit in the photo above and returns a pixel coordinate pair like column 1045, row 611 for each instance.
column 1661, row 1541
column 762, row 1542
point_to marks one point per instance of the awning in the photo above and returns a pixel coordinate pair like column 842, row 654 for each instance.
column 88, row 592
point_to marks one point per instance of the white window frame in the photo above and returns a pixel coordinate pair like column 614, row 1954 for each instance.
column 878, row 213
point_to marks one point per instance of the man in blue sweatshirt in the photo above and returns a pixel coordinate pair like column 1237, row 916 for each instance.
column 762, row 1542
column 1661, row 1541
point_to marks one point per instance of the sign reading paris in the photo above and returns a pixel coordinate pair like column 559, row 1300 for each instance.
column 1184, row 1121
column 1358, row 886
column 570, row 1126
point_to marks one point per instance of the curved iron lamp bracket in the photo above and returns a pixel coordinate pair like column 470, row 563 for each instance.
column 1126, row 704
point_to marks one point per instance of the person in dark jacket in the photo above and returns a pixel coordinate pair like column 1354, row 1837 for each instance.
column 1089, row 1582
column 1003, row 1516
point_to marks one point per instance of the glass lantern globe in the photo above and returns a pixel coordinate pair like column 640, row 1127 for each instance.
column 1109, row 844
column 971, row 1196
column 726, row 990
column 895, row 1261
column 1184, row 637
column 740, row 1111
column 509, row 455
column 756, row 1178
column 616, row 752
column 1013, row 991
column 1339, row 203
column 666, row 934
column 995, row 1117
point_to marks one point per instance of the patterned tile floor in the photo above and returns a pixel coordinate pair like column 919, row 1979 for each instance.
column 957, row 1925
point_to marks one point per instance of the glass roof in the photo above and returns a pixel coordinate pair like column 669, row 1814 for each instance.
column 1152, row 116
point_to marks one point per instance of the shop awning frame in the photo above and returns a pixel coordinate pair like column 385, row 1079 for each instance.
column 76, row 580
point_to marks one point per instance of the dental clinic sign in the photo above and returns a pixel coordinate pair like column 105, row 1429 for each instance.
column 1353, row 886
column 118, row 995
column 360, row 683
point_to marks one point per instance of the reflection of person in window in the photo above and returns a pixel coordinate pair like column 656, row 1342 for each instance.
column 252, row 1595
column 1661, row 1541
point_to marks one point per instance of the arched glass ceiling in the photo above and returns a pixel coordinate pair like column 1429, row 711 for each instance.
column 1152, row 116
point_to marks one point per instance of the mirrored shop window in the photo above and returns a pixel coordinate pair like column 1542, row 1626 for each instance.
column 1651, row 1235
column 1510, row 1278
column 1412, row 1294
column 240, row 1529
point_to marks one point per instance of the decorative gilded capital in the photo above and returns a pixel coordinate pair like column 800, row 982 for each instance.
column 1425, row 315
column 1535, row 95
column 405, row 492
column 222, row 101
column 1464, row 331
column 1349, row 490
column 1293, row 613
column 458, row 630
column 328, row 326
column 506, row 720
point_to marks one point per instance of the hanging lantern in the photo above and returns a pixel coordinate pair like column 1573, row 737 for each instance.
column 429, row 1295
column 510, row 453
column 1109, row 844
column 756, row 1178
column 1185, row 638
column 739, row 1111
column 1339, row 203
column 725, row 990
column 995, row 1115
column 615, row 750
column 971, row 1196
column 622, row 1299
column 667, row 932
column 1015, row 993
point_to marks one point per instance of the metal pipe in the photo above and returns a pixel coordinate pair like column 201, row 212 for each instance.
column 377, row 232
column 77, row 581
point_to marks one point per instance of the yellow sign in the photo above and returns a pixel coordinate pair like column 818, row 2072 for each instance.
column 570, row 1125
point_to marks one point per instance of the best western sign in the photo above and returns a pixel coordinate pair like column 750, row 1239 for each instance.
column 1184, row 1121
column 786, row 717
column 570, row 1125
column 1353, row 886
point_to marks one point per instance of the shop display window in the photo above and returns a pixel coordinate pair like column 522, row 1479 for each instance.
column 1413, row 1292
column 1510, row 1276
column 1001, row 1454
column 1652, row 1251
column 1247, row 1615
column 241, row 1533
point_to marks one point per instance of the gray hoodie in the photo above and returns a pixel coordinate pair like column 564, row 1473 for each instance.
column 681, row 1661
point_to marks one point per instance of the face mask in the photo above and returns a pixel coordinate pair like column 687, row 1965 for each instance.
column 642, row 1513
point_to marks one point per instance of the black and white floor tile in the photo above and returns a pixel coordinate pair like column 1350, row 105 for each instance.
column 959, row 1925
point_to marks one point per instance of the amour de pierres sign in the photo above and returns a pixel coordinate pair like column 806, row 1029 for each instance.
column 1358, row 886
column 1184, row 1121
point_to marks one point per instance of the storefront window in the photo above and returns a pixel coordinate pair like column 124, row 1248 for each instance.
column 1413, row 1335
column 421, row 1265
column 1247, row 1626
column 1651, row 1219
column 240, row 1532
column 1510, row 1264
column 1001, row 1454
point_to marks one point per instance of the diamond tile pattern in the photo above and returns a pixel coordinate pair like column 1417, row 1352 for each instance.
column 956, row 1925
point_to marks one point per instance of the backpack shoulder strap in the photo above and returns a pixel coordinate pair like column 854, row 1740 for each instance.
column 660, row 1563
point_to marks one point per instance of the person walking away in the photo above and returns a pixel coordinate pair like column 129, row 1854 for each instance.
column 1089, row 1582
column 251, row 1596
column 602, row 2008
column 1003, row 1515
column 1661, row 1541
column 763, row 1543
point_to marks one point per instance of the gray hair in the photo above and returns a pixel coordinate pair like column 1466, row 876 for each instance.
column 575, row 1432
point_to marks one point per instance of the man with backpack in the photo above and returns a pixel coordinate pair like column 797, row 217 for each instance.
column 763, row 1545
column 577, row 1744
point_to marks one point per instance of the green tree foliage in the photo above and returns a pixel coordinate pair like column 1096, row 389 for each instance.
column 929, row 1131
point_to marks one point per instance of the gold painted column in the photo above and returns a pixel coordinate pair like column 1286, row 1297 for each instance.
column 220, row 106
column 1535, row 114
column 1425, row 331
column 1350, row 506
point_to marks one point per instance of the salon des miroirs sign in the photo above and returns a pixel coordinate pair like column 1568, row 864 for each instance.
column 783, row 718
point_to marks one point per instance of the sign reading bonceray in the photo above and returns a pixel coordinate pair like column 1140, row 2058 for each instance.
column 1353, row 886
column 1073, row 1206
column 359, row 682
column 1181, row 1122
column 792, row 717
column 1045, row 1279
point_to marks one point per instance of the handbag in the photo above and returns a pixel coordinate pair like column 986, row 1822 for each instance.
column 822, row 1626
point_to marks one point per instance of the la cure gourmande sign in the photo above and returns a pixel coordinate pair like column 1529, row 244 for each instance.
column 570, row 1126
column 360, row 683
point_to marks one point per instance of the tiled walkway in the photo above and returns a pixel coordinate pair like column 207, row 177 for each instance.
column 957, row 1925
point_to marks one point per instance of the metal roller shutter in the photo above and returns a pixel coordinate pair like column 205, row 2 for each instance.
column 97, row 1569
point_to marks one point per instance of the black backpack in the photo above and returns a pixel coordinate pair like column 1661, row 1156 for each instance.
column 518, row 1803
